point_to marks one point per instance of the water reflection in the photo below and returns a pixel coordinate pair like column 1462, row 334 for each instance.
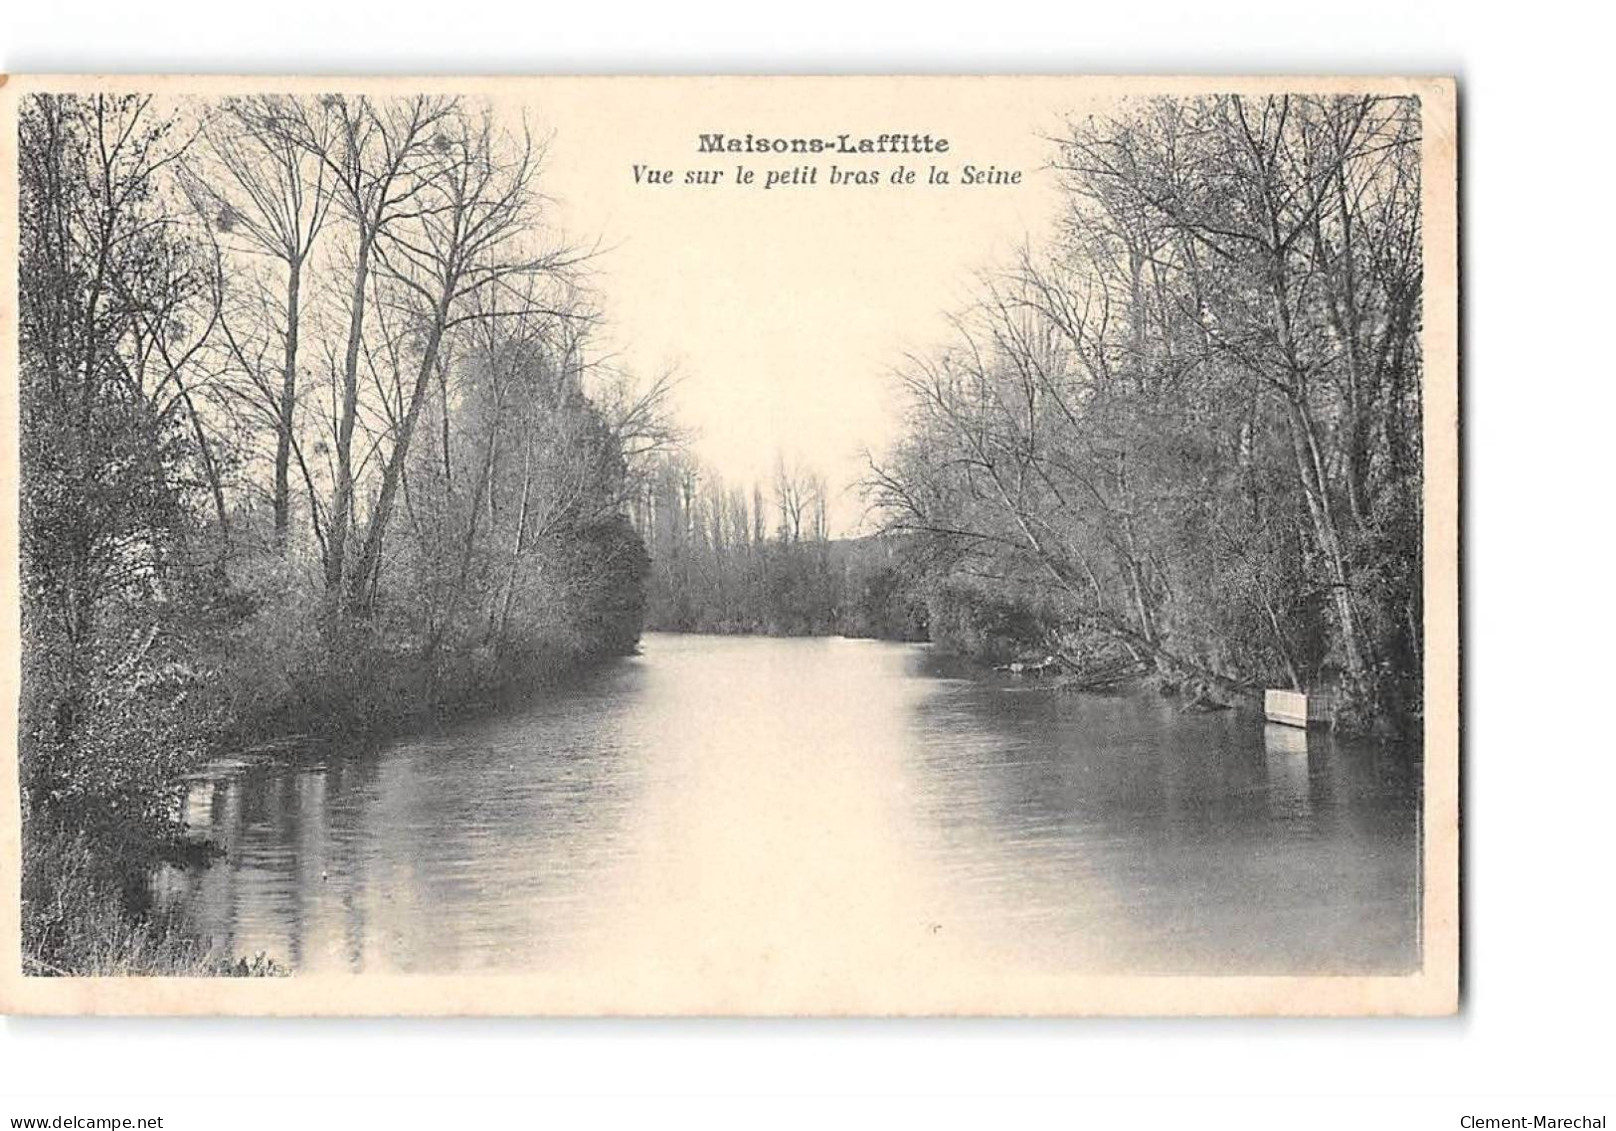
column 469, row 849
column 844, row 800
column 1289, row 783
column 1121, row 834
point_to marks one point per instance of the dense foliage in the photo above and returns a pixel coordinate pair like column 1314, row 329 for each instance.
column 306, row 445
column 1188, row 433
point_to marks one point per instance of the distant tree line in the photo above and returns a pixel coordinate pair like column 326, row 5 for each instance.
column 311, row 440
column 756, row 559
column 1186, row 434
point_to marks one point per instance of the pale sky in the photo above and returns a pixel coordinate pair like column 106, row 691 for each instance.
column 785, row 309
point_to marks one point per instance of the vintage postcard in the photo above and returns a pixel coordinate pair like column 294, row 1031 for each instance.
column 745, row 545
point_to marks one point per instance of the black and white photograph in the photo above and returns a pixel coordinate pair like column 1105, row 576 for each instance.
column 760, row 546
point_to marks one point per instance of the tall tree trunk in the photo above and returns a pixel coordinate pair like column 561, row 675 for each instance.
column 210, row 466
column 364, row 574
column 467, row 551
column 517, row 549
column 1315, row 489
column 285, row 421
column 342, row 506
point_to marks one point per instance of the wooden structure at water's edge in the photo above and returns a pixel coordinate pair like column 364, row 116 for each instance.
column 1297, row 709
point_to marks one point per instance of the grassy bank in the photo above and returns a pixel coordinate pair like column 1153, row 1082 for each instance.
column 88, row 859
column 78, row 919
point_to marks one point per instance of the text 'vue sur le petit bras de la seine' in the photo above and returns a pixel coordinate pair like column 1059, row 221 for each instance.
column 812, row 172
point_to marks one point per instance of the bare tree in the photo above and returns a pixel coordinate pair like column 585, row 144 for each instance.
column 468, row 236
column 268, row 191
column 379, row 155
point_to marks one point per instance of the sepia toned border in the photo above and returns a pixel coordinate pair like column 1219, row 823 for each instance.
column 1433, row 990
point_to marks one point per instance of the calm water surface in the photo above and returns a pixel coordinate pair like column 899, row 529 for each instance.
column 837, row 804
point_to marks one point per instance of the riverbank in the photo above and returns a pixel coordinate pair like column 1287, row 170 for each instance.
column 86, row 906
column 211, row 556
column 989, row 653
column 77, row 920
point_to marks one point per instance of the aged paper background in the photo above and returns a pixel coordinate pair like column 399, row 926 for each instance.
column 602, row 126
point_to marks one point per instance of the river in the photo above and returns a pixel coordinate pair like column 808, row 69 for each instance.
column 814, row 809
